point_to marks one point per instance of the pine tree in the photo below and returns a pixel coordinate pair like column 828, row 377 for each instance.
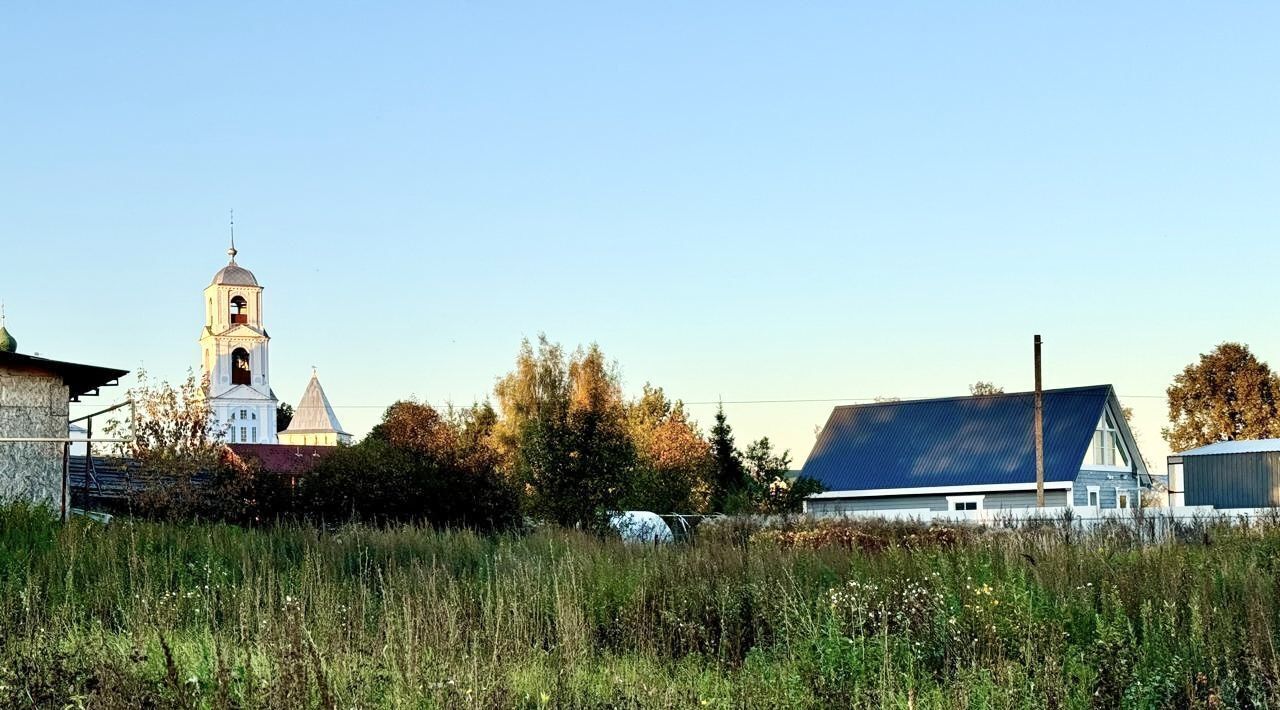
column 730, row 473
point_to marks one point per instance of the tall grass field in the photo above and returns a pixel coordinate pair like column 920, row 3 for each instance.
column 139, row 614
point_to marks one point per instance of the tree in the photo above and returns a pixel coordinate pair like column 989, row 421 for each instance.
column 1228, row 395
column 284, row 415
column 562, row 434
column 772, row 489
column 730, row 473
column 177, row 458
column 416, row 465
column 673, row 462
column 985, row 389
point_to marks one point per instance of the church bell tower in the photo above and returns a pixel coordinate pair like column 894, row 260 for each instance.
column 234, row 355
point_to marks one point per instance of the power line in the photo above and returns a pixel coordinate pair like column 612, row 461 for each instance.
column 821, row 400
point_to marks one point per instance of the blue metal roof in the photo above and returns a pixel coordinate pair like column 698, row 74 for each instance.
column 1250, row 446
column 958, row 441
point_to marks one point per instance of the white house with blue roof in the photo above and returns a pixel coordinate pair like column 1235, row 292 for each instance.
column 977, row 453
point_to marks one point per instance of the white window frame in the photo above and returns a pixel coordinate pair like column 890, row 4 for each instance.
column 1093, row 498
column 952, row 500
column 1108, row 427
column 1128, row 496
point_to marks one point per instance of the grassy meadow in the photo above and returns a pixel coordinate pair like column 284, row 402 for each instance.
column 140, row 614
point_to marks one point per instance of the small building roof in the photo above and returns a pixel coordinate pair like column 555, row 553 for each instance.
column 958, row 441
column 283, row 458
column 80, row 379
column 1234, row 447
column 314, row 414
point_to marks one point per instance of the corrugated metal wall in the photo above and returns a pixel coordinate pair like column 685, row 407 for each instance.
column 1248, row 480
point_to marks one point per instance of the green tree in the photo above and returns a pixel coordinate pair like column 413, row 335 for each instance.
column 1228, row 395
column 764, row 464
column 284, row 415
column 562, row 433
column 730, row 474
column 178, row 460
column 416, row 465
column 673, row 461
column 772, row 488
column 983, row 389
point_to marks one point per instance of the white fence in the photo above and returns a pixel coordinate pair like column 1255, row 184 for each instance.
column 1087, row 518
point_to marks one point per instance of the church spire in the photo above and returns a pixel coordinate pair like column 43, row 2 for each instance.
column 232, row 251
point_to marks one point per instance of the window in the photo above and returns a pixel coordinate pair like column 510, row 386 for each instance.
column 239, row 310
column 244, row 434
column 1108, row 446
column 244, row 414
column 240, row 373
column 1093, row 496
column 1122, row 500
column 231, row 435
column 965, row 503
column 254, row 431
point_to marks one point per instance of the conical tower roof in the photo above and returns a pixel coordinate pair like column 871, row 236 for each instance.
column 314, row 414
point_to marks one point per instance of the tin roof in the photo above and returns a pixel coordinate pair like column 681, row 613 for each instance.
column 1235, row 447
column 234, row 274
column 314, row 414
column 80, row 379
column 956, row 441
column 283, row 458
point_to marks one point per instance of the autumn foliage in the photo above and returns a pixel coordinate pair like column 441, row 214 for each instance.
column 1228, row 395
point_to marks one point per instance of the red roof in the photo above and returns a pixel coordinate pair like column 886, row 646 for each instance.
column 283, row 458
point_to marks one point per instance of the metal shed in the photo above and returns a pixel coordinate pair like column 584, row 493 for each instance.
column 1227, row 474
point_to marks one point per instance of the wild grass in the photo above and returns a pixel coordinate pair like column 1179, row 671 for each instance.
column 143, row 614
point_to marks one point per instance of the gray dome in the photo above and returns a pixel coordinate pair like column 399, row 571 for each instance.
column 234, row 275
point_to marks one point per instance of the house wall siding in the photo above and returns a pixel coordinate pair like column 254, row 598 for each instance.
column 1107, row 482
column 1244, row 480
column 31, row 405
column 992, row 501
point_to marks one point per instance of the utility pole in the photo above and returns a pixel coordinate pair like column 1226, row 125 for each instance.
column 1039, row 431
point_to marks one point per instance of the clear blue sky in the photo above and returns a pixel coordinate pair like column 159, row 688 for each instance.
column 739, row 200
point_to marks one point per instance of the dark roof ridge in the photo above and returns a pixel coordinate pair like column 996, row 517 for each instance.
column 1002, row 395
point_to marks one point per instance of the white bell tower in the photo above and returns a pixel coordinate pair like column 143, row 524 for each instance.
column 234, row 355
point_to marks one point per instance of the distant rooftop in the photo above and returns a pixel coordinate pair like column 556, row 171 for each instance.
column 314, row 414
column 1234, row 447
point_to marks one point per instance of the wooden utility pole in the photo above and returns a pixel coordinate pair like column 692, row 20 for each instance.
column 1039, row 431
